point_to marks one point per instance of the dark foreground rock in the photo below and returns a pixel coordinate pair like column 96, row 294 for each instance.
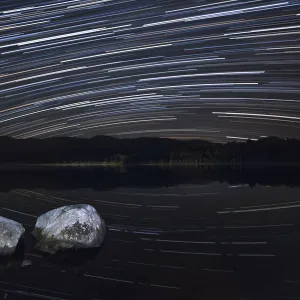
column 69, row 227
column 10, row 234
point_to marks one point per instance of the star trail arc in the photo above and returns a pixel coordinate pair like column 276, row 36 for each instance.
column 215, row 70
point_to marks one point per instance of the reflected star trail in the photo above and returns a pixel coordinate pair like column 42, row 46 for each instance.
column 214, row 70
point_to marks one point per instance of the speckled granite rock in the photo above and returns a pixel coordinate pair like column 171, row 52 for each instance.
column 10, row 234
column 67, row 227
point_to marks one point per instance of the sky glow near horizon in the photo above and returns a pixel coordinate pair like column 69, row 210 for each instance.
column 214, row 70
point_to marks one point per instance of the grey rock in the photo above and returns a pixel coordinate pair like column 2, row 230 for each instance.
column 69, row 227
column 10, row 234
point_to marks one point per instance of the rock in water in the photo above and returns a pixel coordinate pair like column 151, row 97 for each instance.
column 10, row 234
column 67, row 227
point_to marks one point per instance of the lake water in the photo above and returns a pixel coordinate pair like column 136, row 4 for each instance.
column 182, row 233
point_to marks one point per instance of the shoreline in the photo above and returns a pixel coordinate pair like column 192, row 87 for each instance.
column 150, row 164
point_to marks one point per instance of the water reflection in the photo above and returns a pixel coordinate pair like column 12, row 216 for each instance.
column 198, row 238
column 144, row 177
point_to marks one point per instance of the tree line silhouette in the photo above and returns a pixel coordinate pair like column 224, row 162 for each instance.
column 147, row 150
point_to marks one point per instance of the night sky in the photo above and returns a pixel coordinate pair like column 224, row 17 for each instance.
column 215, row 70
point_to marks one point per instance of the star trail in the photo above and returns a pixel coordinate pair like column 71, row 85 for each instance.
column 213, row 70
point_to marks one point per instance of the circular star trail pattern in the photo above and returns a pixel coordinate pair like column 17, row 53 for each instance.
column 214, row 70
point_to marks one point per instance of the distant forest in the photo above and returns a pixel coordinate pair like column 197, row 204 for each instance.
column 146, row 150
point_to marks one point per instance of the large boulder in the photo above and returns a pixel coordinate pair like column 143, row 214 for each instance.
column 69, row 227
column 10, row 235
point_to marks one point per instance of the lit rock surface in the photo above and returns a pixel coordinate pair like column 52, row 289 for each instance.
column 67, row 227
column 10, row 234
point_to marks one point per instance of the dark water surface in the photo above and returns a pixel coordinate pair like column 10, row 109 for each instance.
column 179, row 234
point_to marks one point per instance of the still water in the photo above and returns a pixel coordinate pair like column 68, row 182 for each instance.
column 180, row 234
